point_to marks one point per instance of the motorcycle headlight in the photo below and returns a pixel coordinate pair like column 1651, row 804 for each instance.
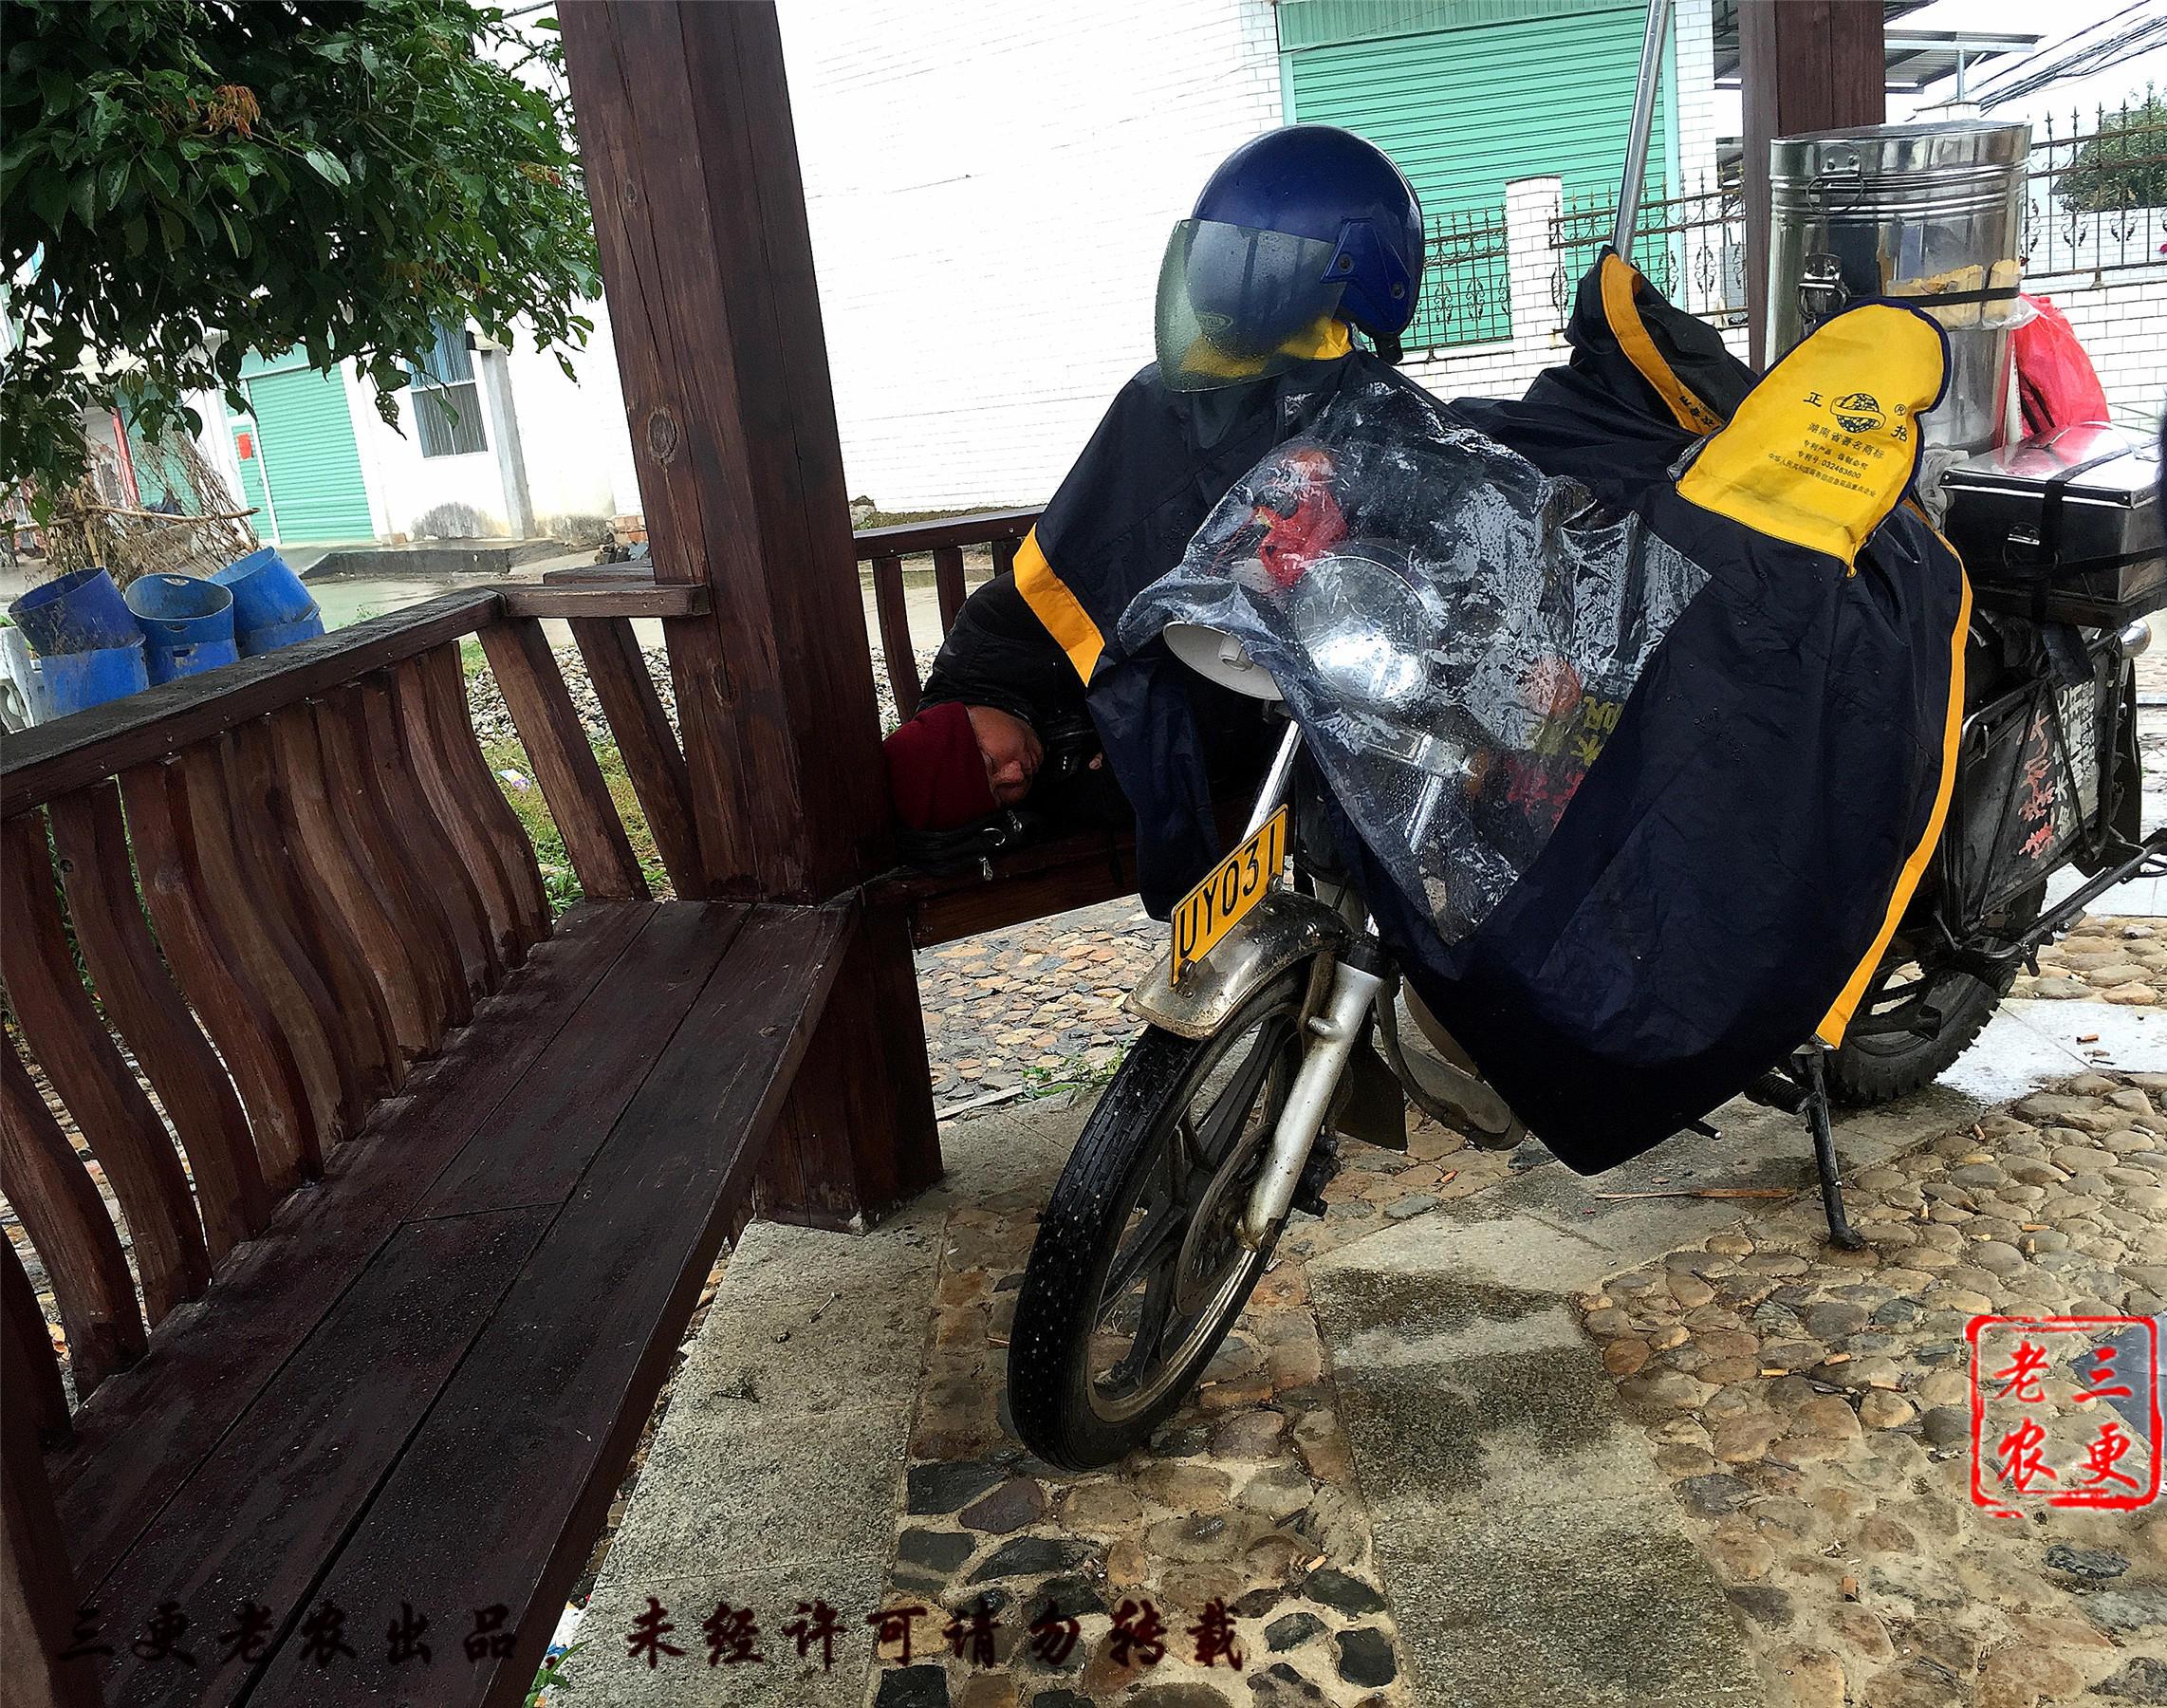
column 1368, row 622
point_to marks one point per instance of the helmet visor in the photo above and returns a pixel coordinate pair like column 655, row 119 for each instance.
column 1236, row 304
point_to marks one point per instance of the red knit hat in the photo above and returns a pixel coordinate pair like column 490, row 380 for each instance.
column 936, row 775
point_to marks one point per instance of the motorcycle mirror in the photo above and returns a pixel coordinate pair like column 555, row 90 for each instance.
column 1219, row 657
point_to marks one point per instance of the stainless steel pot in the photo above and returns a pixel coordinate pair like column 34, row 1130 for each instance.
column 1931, row 214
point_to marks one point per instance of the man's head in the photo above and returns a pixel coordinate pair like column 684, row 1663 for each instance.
column 1010, row 750
column 952, row 763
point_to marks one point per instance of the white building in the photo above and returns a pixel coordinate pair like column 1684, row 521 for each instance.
column 989, row 188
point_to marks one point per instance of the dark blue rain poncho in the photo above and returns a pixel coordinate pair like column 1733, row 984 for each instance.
column 1637, row 700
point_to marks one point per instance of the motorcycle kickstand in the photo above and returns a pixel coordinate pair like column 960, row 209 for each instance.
column 1815, row 1108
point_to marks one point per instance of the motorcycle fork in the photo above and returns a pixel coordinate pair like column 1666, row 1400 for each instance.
column 1332, row 1027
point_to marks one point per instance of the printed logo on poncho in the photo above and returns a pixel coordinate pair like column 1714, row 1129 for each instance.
column 1857, row 411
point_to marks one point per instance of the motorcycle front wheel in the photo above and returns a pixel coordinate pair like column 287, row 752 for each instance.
column 1139, row 1269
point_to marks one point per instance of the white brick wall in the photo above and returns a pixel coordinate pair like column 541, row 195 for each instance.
column 2123, row 328
column 1694, row 30
column 991, row 188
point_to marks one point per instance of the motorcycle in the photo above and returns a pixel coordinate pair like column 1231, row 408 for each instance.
column 1255, row 1057
column 1224, row 1118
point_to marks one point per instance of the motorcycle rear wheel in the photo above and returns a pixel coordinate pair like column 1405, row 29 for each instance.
column 1879, row 1068
column 1137, row 1271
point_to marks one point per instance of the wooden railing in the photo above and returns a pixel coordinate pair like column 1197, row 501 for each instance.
column 332, row 878
column 885, row 549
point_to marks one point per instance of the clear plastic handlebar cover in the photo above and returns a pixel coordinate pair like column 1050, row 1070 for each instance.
column 1457, row 632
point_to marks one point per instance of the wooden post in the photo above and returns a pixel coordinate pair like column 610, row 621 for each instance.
column 1803, row 65
column 692, row 168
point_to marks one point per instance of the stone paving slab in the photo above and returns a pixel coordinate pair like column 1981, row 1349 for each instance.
column 1628, row 1615
column 777, row 1469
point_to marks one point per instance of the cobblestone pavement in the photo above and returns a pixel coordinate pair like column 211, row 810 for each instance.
column 1812, row 1409
column 1808, row 1405
column 1037, row 1008
column 2121, row 961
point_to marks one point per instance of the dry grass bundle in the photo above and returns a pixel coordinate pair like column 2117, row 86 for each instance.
column 91, row 524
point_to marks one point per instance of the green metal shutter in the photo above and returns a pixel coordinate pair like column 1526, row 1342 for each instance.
column 305, row 441
column 1540, row 93
column 1465, row 110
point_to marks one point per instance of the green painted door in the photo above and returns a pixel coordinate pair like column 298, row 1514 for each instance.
column 299, row 438
column 1466, row 98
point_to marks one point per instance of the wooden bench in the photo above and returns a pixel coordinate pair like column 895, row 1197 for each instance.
column 455, row 1172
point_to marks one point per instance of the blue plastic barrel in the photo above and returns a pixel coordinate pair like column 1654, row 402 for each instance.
column 265, row 592
column 273, row 636
column 81, row 611
column 77, row 680
column 271, row 607
column 187, row 623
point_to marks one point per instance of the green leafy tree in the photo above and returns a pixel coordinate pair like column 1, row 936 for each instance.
column 2123, row 166
column 186, row 181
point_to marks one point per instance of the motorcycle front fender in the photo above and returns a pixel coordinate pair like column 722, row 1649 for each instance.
column 1281, row 931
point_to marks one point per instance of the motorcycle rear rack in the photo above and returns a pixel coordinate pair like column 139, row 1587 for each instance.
column 2146, row 859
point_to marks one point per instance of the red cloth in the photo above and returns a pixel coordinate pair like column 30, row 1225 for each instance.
column 2054, row 377
column 936, row 776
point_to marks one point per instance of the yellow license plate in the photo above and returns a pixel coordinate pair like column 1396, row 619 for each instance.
column 1207, row 912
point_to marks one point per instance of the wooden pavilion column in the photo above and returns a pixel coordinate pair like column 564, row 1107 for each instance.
column 692, row 169
column 1803, row 65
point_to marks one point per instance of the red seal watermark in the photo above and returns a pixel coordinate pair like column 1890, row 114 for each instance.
column 2065, row 1413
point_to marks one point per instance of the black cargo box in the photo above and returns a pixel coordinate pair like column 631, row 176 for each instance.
column 2063, row 527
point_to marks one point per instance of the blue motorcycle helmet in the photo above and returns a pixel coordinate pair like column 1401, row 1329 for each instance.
column 1301, row 226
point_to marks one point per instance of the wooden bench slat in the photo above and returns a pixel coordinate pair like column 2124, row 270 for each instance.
column 30, row 1348
column 37, row 1595
column 593, row 1322
column 265, row 1509
column 1043, row 878
column 651, row 756
column 637, row 595
column 131, row 979
column 407, row 894
column 67, row 1222
column 564, row 765
column 150, row 1427
column 264, row 863
column 979, row 528
column 99, row 1089
column 444, row 679
column 542, row 1142
column 268, row 826
column 891, row 603
column 254, row 1050
column 949, row 583
column 445, row 788
column 240, row 900
column 341, row 881
column 413, row 824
